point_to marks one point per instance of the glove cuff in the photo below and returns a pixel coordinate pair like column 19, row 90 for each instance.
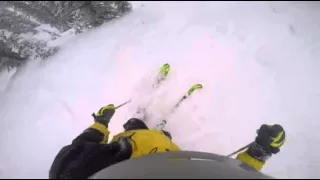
column 100, row 120
column 258, row 152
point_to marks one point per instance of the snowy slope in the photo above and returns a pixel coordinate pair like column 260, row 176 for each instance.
column 258, row 63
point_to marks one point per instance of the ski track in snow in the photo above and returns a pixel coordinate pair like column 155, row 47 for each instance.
column 258, row 62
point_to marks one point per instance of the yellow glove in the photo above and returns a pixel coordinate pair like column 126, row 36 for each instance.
column 268, row 141
column 104, row 115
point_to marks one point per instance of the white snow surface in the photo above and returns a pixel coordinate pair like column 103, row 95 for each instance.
column 258, row 62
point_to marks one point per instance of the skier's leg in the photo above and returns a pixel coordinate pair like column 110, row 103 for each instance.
column 134, row 124
column 167, row 134
column 161, row 127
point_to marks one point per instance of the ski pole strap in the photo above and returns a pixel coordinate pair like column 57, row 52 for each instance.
column 123, row 104
column 239, row 150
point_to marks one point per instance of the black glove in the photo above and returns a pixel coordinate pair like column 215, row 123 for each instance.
column 104, row 115
column 268, row 141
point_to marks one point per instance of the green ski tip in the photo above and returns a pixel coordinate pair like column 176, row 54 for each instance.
column 194, row 87
column 164, row 71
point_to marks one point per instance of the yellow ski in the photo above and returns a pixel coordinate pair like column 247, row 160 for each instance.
column 193, row 88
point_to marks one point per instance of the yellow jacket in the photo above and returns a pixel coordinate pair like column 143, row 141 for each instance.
column 245, row 158
column 145, row 142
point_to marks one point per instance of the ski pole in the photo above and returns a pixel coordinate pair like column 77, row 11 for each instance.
column 239, row 150
column 123, row 104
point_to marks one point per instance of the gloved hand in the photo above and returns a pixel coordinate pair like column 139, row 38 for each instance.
column 104, row 115
column 268, row 141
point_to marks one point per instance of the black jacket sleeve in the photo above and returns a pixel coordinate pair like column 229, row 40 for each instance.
column 97, row 133
column 87, row 155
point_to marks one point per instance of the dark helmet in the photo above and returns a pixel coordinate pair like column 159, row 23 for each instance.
column 180, row 165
